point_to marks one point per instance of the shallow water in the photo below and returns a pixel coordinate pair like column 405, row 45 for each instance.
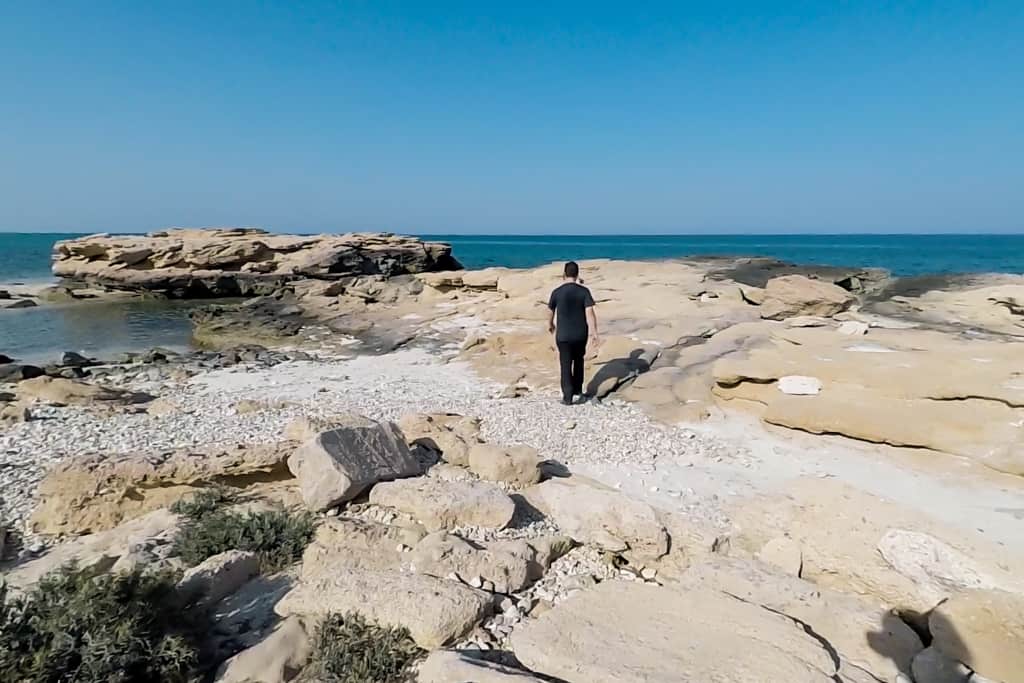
column 100, row 329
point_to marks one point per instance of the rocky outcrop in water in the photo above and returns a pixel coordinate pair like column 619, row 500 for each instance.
column 196, row 263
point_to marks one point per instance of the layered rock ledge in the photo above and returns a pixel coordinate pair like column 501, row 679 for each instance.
column 196, row 263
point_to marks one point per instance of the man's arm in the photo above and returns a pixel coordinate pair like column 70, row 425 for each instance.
column 592, row 324
column 552, row 305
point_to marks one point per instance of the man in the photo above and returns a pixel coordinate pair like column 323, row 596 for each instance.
column 574, row 307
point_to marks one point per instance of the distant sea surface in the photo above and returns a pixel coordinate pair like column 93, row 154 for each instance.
column 40, row 334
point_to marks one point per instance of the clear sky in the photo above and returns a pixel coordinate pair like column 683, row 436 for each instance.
column 742, row 116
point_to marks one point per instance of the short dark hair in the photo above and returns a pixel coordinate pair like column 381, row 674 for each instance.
column 572, row 269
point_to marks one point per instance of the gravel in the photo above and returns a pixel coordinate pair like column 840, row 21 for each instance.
column 202, row 413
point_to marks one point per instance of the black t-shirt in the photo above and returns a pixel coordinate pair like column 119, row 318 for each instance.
column 570, row 302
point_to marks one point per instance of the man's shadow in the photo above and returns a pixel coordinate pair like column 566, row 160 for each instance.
column 617, row 372
column 936, row 631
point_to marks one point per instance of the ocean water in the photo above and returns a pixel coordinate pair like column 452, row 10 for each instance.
column 40, row 334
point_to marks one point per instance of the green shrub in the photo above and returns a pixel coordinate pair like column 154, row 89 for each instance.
column 278, row 537
column 205, row 501
column 348, row 649
column 111, row 628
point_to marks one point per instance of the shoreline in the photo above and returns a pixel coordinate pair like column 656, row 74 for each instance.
column 801, row 436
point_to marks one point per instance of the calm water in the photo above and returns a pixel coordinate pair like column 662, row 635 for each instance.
column 98, row 328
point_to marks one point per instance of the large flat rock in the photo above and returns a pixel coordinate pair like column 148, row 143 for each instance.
column 639, row 633
column 238, row 261
column 856, row 542
column 868, row 638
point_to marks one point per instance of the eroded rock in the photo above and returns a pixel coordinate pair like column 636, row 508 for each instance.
column 339, row 464
column 440, row 504
column 435, row 611
column 638, row 633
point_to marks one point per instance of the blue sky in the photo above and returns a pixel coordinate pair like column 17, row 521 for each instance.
column 513, row 117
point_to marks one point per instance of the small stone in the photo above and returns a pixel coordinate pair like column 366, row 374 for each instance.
column 649, row 573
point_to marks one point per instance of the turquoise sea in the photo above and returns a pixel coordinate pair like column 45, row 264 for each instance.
column 41, row 334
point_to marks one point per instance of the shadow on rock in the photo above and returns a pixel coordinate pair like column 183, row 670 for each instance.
column 616, row 373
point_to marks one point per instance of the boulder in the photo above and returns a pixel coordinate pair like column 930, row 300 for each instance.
column 448, row 434
column 603, row 517
column 342, row 462
column 789, row 296
column 449, row 666
column 278, row 658
column 515, row 465
column 435, row 611
column 867, row 637
column 931, row 666
column 506, row 564
column 621, row 632
column 18, row 372
column 98, row 491
column 219, row 576
column 149, row 536
column 984, row 629
column 439, row 504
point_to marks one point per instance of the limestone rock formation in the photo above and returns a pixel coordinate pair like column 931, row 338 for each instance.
column 637, row 633
column 448, row 666
column 606, row 518
column 874, row 547
column 98, row 491
column 339, row 464
column 516, row 465
column 218, row 576
column 896, row 387
column 793, row 295
column 436, row 611
column 190, row 263
column 149, row 537
column 506, row 564
column 867, row 637
column 440, row 504
column 984, row 629
column 57, row 391
column 276, row 659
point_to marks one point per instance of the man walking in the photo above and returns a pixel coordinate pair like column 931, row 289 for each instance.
column 574, row 307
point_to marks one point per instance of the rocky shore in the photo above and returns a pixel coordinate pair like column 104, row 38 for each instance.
column 787, row 473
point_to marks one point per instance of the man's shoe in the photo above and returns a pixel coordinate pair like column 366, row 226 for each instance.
column 582, row 399
column 566, row 402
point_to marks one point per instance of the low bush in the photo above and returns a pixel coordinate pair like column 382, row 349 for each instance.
column 111, row 628
column 278, row 536
column 349, row 649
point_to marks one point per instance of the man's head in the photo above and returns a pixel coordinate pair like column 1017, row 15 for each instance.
column 572, row 271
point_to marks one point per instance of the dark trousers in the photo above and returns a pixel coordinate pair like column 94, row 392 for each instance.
column 570, row 358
